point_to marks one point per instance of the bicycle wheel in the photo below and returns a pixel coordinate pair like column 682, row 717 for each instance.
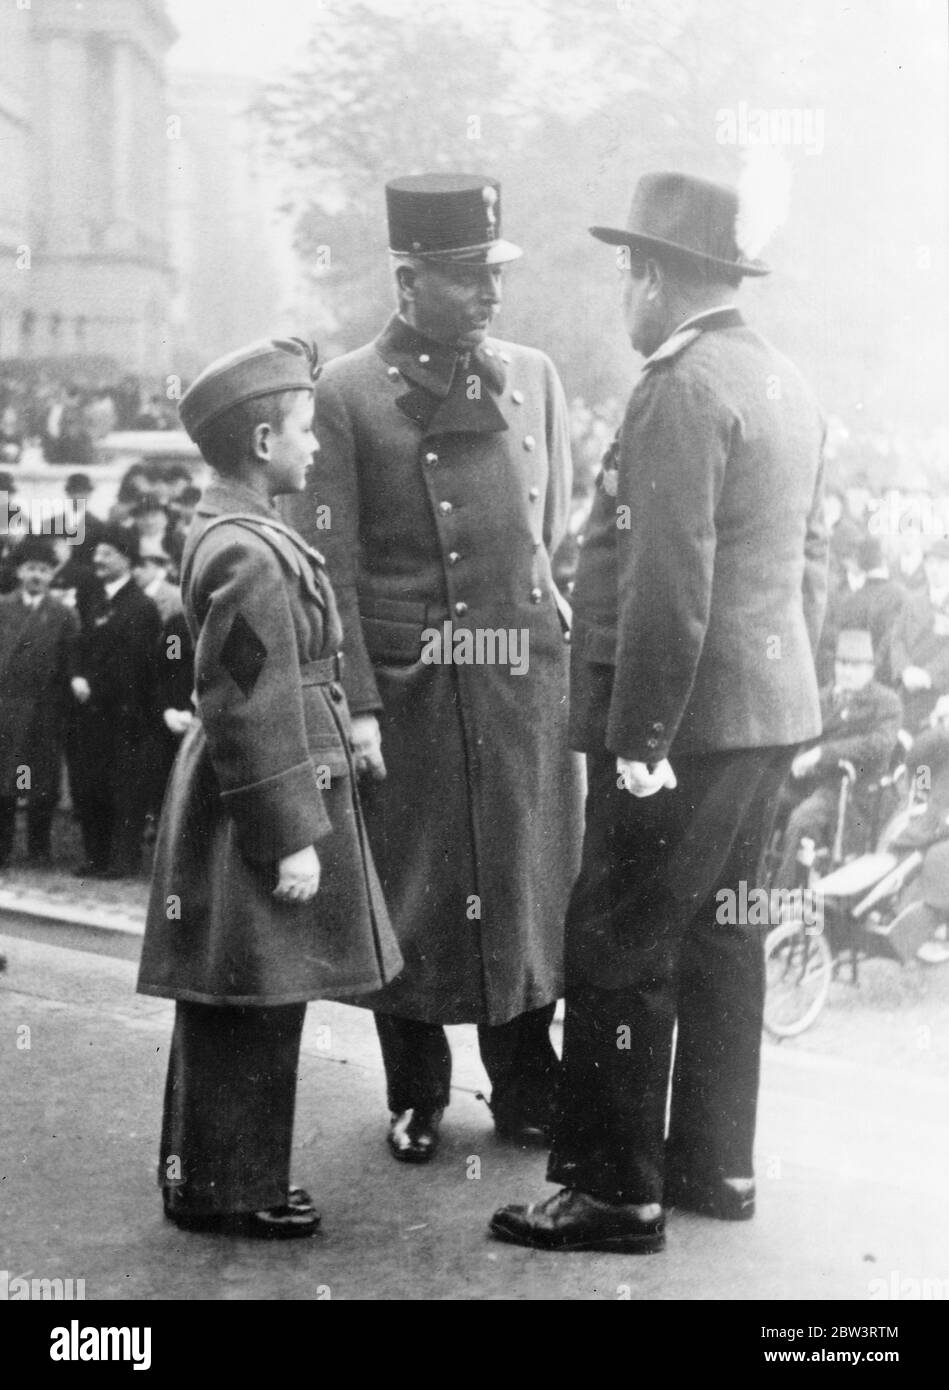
column 798, row 968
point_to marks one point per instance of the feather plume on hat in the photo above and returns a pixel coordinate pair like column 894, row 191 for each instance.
column 764, row 197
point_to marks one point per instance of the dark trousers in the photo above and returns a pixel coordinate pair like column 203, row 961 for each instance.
column 648, row 952
column 39, row 824
column 109, row 784
column 519, row 1058
column 227, row 1128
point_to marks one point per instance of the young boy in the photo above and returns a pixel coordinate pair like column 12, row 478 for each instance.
column 264, row 892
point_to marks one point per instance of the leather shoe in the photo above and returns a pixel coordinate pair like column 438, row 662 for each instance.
column 571, row 1220
column 525, row 1133
column 413, row 1135
column 275, row 1223
column 726, row 1199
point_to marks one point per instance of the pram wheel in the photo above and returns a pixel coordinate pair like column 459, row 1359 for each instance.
column 798, row 969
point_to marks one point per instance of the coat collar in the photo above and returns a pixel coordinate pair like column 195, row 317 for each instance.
column 228, row 495
column 686, row 333
column 439, row 400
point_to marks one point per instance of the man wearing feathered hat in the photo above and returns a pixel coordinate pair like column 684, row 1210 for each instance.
column 445, row 474
column 698, row 604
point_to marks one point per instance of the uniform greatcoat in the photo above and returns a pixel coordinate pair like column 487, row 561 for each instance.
column 443, row 490
column 265, row 770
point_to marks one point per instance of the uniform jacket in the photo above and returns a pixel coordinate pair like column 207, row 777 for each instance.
column 702, row 580
column 264, row 771
column 37, row 660
column 447, row 485
column 920, row 637
column 860, row 728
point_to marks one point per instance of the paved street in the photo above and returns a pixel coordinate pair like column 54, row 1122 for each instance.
column 851, row 1169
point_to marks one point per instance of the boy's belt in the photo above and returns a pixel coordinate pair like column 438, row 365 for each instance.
column 322, row 672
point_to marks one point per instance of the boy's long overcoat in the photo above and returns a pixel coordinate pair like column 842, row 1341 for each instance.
column 249, row 785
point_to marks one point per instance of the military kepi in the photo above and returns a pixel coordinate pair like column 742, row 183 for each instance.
column 448, row 217
column 272, row 364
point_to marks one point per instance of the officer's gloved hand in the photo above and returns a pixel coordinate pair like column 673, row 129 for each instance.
column 298, row 876
column 367, row 747
column 643, row 780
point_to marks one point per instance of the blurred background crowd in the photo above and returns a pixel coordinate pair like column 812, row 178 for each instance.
column 179, row 179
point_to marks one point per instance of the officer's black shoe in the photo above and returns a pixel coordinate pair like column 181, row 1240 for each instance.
column 300, row 1199
column 571, row 1220
column 275, row 1223
column 527, row 1132
column 413, row 1135
column 727, row 1199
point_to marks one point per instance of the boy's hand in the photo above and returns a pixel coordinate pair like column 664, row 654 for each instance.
column 298, row 876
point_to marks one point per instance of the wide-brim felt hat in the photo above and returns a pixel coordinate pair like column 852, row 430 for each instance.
column 124, row 539
column 449, row 218
column 35, row 550
column 685, row 216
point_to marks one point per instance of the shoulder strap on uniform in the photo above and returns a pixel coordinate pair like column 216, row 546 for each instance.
column 287, row 543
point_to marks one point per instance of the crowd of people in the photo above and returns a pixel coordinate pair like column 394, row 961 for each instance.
column 95, row 668
column 66, row 419
column 883, row 664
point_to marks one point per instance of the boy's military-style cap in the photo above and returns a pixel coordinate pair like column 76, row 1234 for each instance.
column 455, row 218
column 272, row 364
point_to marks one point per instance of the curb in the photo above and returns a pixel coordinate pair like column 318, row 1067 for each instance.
column 108, row 932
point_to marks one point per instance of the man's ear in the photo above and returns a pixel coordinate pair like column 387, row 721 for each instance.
column 405, row 279
column 655, row 278
column 260, row 442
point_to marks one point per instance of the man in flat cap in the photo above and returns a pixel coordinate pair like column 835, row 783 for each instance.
column 446, row 481
column 264, row 894
column 699, row 601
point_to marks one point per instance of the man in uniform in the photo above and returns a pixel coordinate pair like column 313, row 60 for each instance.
column 443, row 492
column 699, row 600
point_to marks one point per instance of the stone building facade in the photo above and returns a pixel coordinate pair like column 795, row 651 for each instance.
column 84, row 131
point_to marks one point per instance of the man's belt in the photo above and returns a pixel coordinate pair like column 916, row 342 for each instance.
column 322, row 672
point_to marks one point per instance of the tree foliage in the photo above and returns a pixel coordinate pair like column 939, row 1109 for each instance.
column 568, row 101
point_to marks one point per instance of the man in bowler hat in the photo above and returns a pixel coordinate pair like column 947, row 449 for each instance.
column 698, row 605
column 445, row 477
column 114, row 712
